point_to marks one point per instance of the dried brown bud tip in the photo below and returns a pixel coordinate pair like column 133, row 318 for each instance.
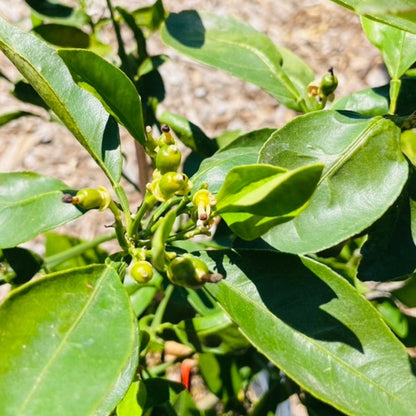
column 165, row 128
column 67, row 198
column 211, row 278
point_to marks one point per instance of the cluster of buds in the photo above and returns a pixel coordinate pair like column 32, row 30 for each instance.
column 137, row 237
column 167, row 181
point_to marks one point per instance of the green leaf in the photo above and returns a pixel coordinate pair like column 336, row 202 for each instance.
column 25, row 263
column 389, row 250
column 14, row 115
column 267, row 190
column 376, row 101
column 31, row 204
column 58, row 12
column 82, row 114
column 159, row 239
column 160, row 391
column 68, row 344
column 110, row 85
column 308, row 321
column 393, row 317
column 151, row 16
column 397, row 46
column 134, row 400
column 399, row 13
column 25, row 92
column 237, row 48
column 364, row 174
column 214, row 332
column 241, row 151
column 58, row 244
column 189, row 134
column 63, row 35
column 151, row 63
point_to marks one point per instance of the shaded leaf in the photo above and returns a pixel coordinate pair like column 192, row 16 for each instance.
column 25, row 263
column 58, row 243
column 65, row 336
column 322, row 343
column 237, row 48
column 31, row 204
column 389, row 251
column 364, row 174
column 58, row 12
column 63, row 35
column 82, row 114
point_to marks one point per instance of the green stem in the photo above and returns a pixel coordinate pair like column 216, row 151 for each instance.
column 54, row 260
column 121, row 51
column 148, row 203
column 395, row 85
column 124, row 203
column 119, row 226
column 157, row 320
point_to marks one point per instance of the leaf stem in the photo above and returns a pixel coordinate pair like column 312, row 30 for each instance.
column 160, row 311
column 54, row 260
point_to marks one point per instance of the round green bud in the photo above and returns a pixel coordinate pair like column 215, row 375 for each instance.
column 141, row 271
column 168, row 158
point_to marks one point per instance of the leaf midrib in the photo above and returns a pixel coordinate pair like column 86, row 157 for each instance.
column 98, row 287
column 315, row 344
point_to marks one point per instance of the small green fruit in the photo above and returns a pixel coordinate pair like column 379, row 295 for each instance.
column 329, row 83
column 190, row 271
column 168, row 158
column 141, row 271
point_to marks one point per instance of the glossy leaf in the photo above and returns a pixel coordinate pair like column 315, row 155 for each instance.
column 63, row 35
column 397, row 46
column 376, row 101
column 110, row 85
column 364, row 174
column 82, row 114
column 237, row 48
column 31, row 204
column 400, row 13
column 308, row 321
column 242, row 151
column 267, row 190
column 68, row 344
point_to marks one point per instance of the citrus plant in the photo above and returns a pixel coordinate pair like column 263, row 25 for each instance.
column 287, row 251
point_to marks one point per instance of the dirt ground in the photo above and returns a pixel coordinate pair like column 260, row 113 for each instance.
column 321, row 32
